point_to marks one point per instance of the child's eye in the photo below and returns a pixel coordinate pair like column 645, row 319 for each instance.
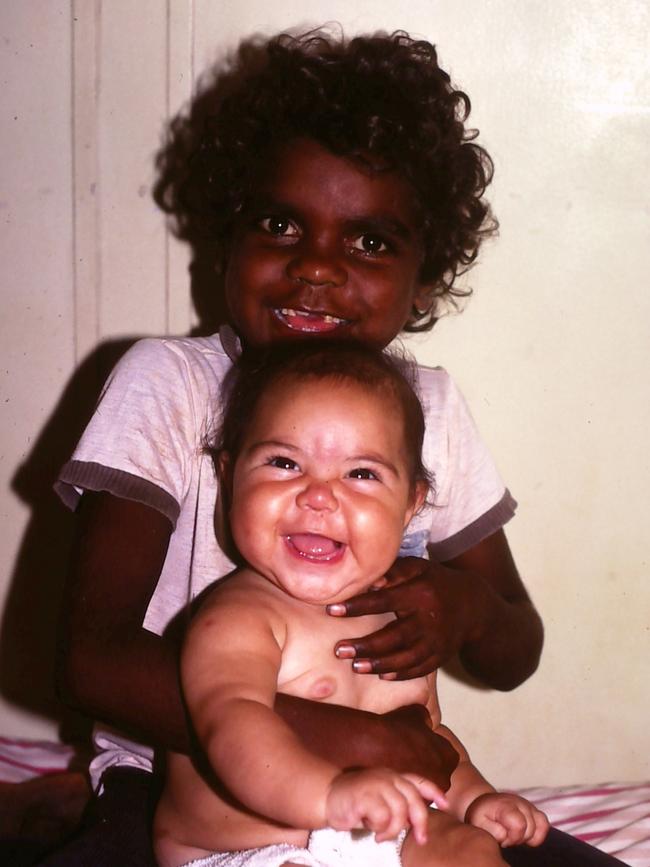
column 279, row 226
column 369, row 243
column 363, row 473
column 282, row 463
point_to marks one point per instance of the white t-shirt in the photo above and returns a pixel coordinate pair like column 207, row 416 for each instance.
column 146, row 442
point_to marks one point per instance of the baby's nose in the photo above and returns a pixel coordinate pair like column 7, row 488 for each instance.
column 317, row 495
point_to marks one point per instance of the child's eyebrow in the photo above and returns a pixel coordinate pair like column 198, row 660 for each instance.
column 382, row 224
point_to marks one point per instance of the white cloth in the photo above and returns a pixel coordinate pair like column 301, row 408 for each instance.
column 146, row 442
column 325, row 848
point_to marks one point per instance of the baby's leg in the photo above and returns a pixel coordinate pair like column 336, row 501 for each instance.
column 452, row 844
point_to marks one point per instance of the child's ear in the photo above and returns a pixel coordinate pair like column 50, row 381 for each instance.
column 423, row 298
column 418, row 499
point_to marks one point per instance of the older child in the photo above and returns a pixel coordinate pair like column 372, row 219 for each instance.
column 321, row 462
column 342, row 195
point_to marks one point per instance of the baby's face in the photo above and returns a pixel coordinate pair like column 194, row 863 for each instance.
column 326, row 247
column 321, row 490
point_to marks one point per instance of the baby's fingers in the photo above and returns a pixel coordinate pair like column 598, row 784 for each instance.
column 414, row 788
column 524, row 824
column 429, row 791
column 541, row 826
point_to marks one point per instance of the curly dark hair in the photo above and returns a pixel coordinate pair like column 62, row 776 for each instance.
column 383, row 96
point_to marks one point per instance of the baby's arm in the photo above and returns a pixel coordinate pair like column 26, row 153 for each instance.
column 509, row 818
column 229, row 672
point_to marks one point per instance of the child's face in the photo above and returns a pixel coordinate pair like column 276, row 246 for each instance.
column 326, row 247
column 321, row 490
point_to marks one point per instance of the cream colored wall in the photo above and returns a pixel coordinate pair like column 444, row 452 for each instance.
column 551, row 351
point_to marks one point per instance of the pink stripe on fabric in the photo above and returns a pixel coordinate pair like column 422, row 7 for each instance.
column 582, row 817
column 593, row 835
column 37, row 769
column 587, row 793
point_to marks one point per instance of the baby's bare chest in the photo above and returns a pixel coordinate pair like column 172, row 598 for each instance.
column 310, row 668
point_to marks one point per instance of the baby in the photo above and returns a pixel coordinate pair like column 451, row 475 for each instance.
column 320, row 460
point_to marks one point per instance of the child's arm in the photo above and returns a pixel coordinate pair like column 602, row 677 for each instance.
column 113, row 669
column 510, row 819
column 229, row 669
column 475, row 605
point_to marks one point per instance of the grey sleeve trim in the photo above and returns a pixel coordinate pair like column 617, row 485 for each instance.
column 96, row 477
column 480, row 529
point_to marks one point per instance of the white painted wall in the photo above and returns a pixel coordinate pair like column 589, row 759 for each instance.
column 551, row 351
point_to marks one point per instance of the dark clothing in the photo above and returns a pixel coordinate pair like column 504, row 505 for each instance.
column 116, row 829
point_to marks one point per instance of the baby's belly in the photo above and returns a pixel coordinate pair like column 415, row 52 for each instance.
column 194, row 819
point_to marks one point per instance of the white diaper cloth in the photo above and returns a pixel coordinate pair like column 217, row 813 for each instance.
column 326, row 848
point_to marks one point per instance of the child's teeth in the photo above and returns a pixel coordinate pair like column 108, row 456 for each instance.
column 287, row 311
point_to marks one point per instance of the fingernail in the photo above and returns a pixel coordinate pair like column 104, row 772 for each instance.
column 362, row 666
column 389, row 675
column 345, row 651
column 336, row 608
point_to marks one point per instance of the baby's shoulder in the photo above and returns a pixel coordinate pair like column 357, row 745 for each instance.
column 243, row 600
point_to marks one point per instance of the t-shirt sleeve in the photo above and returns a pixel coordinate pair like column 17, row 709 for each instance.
column 469, row 499
column 141, row 439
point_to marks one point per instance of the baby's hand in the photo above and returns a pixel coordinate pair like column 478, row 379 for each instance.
column 510, row 819
column 382, row 801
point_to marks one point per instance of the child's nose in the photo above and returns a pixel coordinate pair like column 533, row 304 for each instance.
column 317, row 496
column 317, row 268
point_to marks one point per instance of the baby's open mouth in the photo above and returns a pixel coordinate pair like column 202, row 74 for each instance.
column 314, row 547
column 308, row 321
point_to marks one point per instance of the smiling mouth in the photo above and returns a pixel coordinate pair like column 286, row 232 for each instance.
column 308, row 321
column 314, row 547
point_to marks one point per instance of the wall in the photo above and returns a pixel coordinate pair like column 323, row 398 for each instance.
column 551, row 351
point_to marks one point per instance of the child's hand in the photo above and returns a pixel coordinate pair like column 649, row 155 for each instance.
column 436, row 612
column 510, row 819
column 382, row 801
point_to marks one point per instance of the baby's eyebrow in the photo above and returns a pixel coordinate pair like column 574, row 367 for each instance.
column 263, row 445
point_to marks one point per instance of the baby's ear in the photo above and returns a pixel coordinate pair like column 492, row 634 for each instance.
column 224, row 468
column 418, row 499
column 420, row 495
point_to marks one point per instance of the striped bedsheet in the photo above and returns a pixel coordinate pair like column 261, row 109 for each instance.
column 614, row 817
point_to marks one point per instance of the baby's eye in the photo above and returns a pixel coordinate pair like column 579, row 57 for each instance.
column 282, row 463
column 369, row 243
column 363, row 473
column 279, row 226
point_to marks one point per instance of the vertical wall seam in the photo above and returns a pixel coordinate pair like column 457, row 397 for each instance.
column 73, row 183
column 167, row 241
column 97, row 92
